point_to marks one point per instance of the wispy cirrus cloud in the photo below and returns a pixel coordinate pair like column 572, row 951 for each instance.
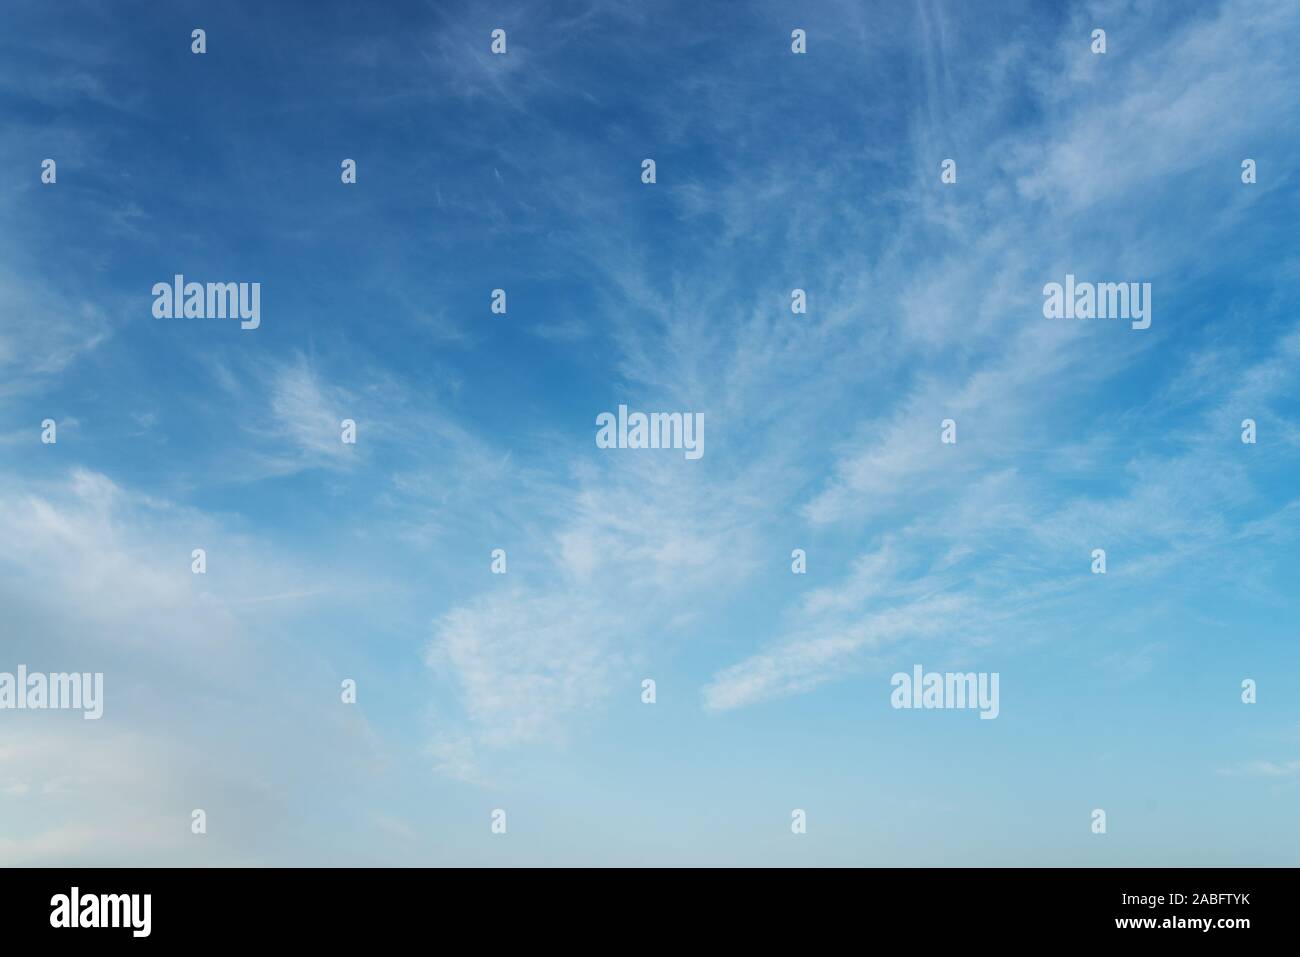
column 1164, row 505
column 1266, row 769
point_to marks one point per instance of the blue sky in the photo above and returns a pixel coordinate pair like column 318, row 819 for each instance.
column 476, row 431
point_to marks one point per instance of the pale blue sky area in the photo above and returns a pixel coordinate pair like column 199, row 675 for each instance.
column 476, row 431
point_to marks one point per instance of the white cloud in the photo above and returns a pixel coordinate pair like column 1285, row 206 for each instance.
column 96, row 577
column 524, row 661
